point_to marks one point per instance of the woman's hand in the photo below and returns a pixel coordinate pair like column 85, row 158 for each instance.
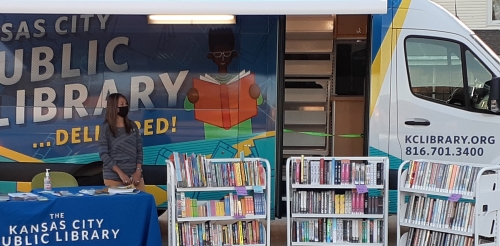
column 136, row 177
column 125, row 179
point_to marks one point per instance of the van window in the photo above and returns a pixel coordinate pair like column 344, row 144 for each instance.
column 477, row 75
column 435, row 70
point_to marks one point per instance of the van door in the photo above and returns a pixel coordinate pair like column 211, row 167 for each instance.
column 442, row 102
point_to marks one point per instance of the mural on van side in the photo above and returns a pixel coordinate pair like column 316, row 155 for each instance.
column 204, row 89
column 225, row 102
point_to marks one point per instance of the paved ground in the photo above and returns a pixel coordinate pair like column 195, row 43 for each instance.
column 278, row 231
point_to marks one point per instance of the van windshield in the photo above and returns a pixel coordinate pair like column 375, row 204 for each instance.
column 487, row 48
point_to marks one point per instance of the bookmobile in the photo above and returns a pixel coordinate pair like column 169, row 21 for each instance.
column 403, row 79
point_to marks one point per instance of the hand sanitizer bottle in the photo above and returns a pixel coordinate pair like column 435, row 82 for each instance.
column 47, row 184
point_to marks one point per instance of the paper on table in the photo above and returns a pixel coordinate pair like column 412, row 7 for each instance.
column 4, row 197
column 121, row 189
column 23, row 196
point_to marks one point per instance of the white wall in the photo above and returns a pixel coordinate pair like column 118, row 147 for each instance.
column 473, row 13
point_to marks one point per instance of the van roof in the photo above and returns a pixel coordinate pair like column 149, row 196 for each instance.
column 235, row 7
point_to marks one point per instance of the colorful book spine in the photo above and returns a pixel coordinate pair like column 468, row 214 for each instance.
column 230, row 205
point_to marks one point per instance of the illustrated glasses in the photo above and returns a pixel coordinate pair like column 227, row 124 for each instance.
column 222, row 53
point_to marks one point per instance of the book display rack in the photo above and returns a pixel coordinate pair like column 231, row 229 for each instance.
column 337, row 200
column 171, row 183
column 240, row 216
column 447, row 203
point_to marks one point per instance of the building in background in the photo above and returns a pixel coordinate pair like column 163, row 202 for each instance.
column 482, row 16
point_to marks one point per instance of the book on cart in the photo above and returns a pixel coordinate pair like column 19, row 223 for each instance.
column 447, row 203
column 220, row 201
column 337, row 200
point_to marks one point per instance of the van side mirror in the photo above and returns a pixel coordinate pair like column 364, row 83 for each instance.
column 494, row 95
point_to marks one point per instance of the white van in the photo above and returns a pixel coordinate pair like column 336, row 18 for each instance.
column 431, row 100
column 425, row 96
column 428, row 96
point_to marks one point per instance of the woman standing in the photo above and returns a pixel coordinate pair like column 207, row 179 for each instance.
column 120, row 145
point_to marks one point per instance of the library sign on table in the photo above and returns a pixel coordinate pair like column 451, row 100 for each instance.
column 57, row 229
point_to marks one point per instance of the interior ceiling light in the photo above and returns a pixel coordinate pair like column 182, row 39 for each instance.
column 191, row 19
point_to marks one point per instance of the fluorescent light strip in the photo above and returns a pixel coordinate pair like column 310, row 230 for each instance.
column 191, row 19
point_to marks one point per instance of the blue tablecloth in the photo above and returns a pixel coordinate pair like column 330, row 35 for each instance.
column 86, row 220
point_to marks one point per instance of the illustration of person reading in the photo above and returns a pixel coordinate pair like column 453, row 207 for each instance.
column 225, row 101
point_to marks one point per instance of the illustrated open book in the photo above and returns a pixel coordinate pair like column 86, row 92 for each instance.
column 236, row 78
column 225, row 102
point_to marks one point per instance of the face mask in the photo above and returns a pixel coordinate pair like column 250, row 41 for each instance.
column 123, row 111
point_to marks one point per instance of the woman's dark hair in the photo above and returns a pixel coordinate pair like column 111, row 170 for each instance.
column 112, row 113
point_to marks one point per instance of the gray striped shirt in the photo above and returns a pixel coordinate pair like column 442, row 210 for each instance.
column 124, row 151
